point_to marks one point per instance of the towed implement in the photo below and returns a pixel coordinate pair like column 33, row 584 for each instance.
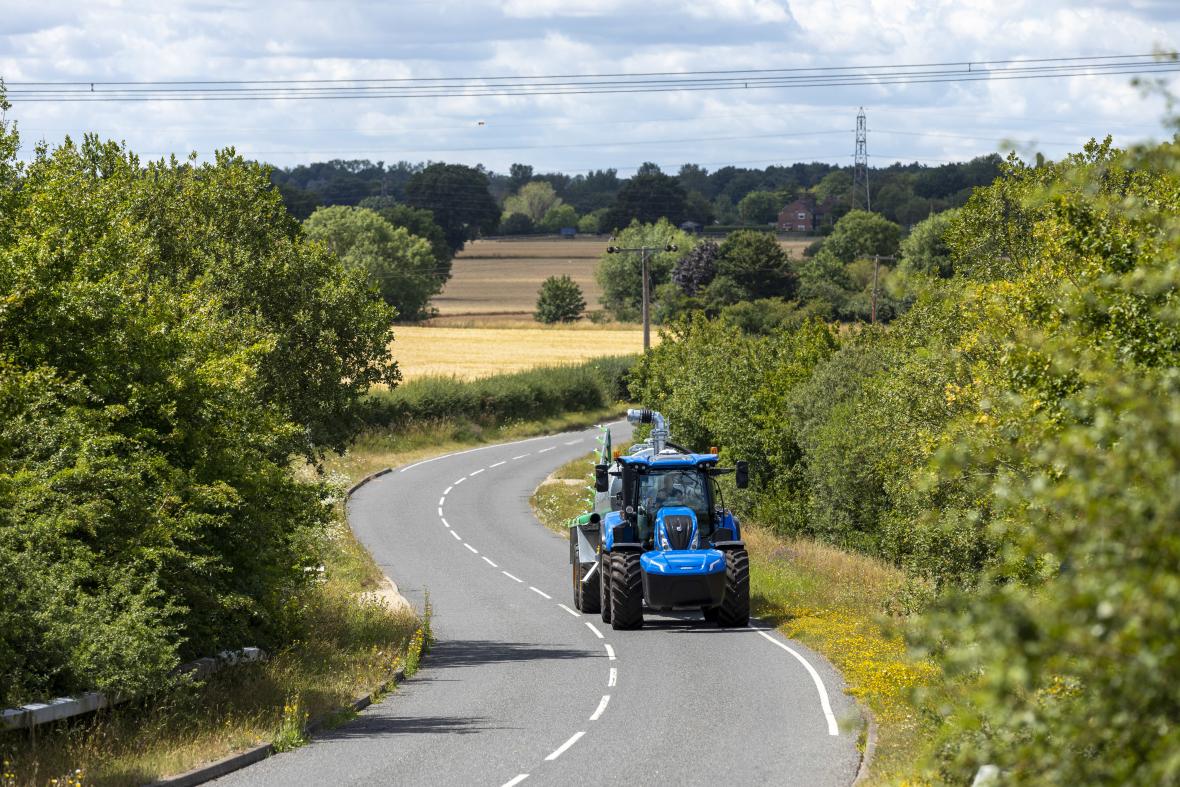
column 659, row 536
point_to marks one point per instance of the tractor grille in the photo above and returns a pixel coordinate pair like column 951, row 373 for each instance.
column 679, row 530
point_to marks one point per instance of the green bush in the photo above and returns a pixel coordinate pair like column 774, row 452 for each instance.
column 537, row 393
column 559, row 300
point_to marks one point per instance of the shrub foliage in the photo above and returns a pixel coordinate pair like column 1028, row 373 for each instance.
column 1013, row 438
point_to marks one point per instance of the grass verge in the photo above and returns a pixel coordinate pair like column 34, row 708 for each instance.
column 831, row 600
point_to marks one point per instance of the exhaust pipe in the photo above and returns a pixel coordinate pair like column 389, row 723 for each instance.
column 659, row 431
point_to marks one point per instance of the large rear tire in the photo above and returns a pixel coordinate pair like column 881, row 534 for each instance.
column 626, row 591
column 604, row 587
column 735, row 606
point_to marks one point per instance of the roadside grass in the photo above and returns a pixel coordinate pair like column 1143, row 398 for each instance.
column 469, row 353
column 831, row 600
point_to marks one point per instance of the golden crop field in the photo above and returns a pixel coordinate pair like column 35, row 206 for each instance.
column 478, row 352
column 497, row 279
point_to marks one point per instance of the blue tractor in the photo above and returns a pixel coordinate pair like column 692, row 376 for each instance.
column 659, row 536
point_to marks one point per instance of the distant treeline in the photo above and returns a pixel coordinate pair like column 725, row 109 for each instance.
column 904, row 193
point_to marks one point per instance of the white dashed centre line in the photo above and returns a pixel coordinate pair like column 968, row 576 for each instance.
column 597, row 633
column 477, row 472
column 514, row 579
column 541, row 593
column 440, row 512
column 460, row 480
column 567, row 609
column 522, row 456
column 473, row 549
column 497, row 464
column 610, row 652
column 550, row 448
column 444, row 521
column 447, row 491
column 601, row 707
column 489, row 562
column 572, row 442
column 442, row 500
column 517, row 780
column 456, row 535
column 614, row 677
column 562, row 748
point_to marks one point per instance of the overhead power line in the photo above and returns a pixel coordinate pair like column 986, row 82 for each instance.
column 590, row 84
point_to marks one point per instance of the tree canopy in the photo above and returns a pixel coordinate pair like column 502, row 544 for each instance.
column 647, row 198
column 458, row 198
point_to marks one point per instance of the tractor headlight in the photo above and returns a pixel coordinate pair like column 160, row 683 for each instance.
column 696, row 540
column 664, row 541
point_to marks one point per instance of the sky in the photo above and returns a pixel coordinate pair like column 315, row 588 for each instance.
column 930, row 123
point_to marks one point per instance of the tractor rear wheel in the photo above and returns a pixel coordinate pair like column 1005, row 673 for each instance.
column 604, row 587
column 588, row 592
column 626, row 591
column 735, row 606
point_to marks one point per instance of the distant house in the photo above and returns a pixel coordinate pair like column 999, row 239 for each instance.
column 806, row 215
column 691, row 227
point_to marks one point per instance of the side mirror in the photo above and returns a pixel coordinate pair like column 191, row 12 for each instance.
column 742, row 479
column 630, row 478
column 601, row 479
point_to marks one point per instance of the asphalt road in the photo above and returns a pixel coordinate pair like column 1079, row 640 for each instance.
column 521, row 689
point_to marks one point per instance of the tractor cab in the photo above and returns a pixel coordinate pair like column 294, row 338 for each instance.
column 660, row 535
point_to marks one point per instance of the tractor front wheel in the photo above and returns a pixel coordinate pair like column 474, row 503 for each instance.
column 735, row 606
column 626, row 591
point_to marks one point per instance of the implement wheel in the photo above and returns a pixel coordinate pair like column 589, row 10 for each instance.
column 604, row 587
column 626, row 591
column 735, row 606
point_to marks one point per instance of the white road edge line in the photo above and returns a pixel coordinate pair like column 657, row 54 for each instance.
column 562, row 748
column 497, row 464
column 517, row 780
column 514, row 579
column 488, row 561
column 456, row 535
column 540, row 593
column 597, row 633
column 444, row 521
column 601, row 707
column 550, row 448
column 614, row 677
column 567, row 609
column 610, row 652
column 825, row 703
column 522, row 456
column 477, row 472
column 473, row 549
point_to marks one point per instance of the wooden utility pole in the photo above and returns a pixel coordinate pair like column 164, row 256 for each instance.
column 644, row 255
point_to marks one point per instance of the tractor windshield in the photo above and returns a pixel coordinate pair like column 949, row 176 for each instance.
column 682, row 486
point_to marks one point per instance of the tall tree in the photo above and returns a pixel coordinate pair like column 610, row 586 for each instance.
column 459, row 200
column 534, row 200
column 419, row 222
column 647, row 199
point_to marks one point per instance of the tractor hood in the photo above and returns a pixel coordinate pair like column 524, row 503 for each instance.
column 683, row 562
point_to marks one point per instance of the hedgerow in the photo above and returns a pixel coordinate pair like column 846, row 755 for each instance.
column 168, row 344
column 1013, row 439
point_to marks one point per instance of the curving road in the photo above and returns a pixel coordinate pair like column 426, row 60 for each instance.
column 521, row 689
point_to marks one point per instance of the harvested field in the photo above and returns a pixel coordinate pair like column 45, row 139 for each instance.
column 499, row 278
column 478, row 352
